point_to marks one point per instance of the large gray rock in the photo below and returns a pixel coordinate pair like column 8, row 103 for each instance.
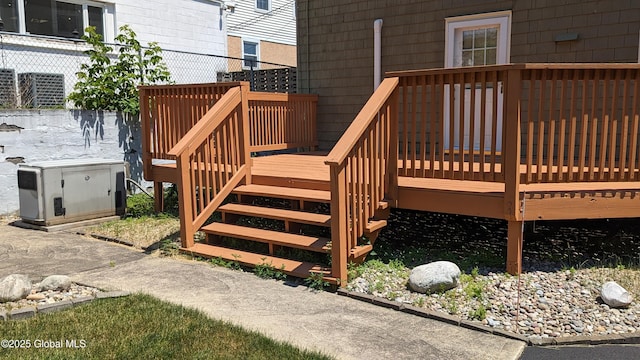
column 55, row 282
column 435, row 276
column 14, row 287
column 615, row 295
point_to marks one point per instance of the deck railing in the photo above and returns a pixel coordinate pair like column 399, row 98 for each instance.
column 580, row 122
column 362, row 172
column 212, row 159
column 544, row 122
column 282, row 121
column 450, row 123
column 168, row 112
column 276, row 121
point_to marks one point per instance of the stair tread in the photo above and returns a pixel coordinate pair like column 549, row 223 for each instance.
column 304, row 242
column 292, row 267
column 277, row 214
column 284, row 192
column 374, row 225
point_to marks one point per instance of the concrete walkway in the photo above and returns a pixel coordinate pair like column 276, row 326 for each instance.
column 335, row 325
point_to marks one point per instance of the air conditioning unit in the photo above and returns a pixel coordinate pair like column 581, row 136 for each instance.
column 7, row 88
column 41, row 90
column 62, row 191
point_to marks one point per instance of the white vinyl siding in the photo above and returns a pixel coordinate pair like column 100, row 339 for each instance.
column 276, row 25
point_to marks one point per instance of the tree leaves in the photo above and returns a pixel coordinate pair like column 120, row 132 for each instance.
column 111, row 83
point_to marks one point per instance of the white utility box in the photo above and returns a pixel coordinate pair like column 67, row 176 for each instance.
column 62, row 191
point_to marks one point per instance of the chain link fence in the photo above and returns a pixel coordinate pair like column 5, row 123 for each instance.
column 40, row 71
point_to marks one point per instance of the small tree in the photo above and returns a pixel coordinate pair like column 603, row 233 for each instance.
column 110, row 83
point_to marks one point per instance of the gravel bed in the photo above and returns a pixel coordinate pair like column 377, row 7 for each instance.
column 550, row 299
column 538, row 303
column 50, row 296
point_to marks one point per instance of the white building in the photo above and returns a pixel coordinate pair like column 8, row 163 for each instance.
column 41, row 36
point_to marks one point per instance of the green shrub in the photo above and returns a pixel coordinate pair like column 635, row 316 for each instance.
column 139, row 205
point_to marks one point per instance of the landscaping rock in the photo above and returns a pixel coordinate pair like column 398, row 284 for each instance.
column 14, row 287
column 615, row 295
column 36, row 297
column 435, row 276
column 55, row 282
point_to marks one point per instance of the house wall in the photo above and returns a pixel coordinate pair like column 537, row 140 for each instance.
column 335, row 42
column 269, row 52
column 277, row 53
column 186, row 25
column 40, row 135
column 275, row 27
column 192, row 27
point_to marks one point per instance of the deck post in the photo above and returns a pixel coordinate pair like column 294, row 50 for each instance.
column 185, row 204
column 392, row 164
column 158, row 196
column 514, row 247
column 339, row 218
column 145, row 130
column 246, row 142
column 512, row 211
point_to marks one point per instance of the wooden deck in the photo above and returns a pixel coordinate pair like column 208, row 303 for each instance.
column 564, row 144
column 542, row 201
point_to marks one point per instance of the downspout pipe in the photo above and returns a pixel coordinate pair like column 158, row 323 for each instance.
column 377, row 53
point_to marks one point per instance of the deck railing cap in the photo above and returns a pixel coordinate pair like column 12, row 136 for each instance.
column 214, row 84
column 514, row 66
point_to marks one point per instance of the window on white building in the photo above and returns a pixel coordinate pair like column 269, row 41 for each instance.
column 250, row 54
column 61, row 18
column 9, row 15
column 66, row 19
column 263, row 5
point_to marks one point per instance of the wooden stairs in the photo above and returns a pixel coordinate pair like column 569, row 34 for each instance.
column 284, row 227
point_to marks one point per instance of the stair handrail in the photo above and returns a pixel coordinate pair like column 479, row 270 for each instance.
column 211, row 160
column 363, row 172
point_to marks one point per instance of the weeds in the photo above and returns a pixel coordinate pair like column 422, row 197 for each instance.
column 168, row 247
column 478, row 314
column 419, row 301
column 268, row 271
column 316, row 281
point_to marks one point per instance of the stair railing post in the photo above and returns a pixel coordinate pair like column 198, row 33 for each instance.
column 245, row 133
column 339, row 224
column 392, row 163
column 185, row 203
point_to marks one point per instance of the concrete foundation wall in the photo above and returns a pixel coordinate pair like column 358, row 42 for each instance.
column 40, row 135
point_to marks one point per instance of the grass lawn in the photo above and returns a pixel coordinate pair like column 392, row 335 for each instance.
column 140, row 327
column 141, row 232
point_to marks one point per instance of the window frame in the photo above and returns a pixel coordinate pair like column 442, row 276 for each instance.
column 460, row 23
column 256, row 55
column 259, row 9
column 85, row 4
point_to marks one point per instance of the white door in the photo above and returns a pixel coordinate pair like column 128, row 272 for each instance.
column 476, row 40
